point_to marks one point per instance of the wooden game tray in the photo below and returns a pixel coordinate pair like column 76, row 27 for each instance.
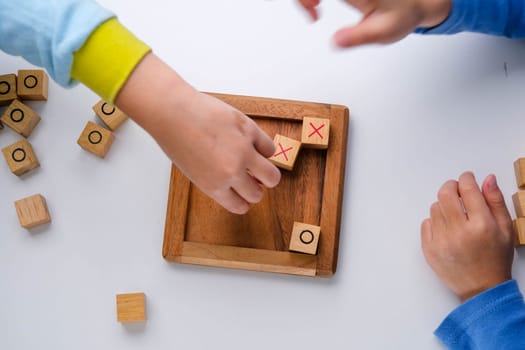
column 198, row 231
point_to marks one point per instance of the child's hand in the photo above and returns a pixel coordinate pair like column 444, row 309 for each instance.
column 218, row 148
column 386, row 21
column 469, row 239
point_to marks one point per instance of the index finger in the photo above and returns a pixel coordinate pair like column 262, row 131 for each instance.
column 473, row 199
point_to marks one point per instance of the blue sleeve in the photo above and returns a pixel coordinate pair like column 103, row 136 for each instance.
column 48, row 32
column 492, row 320
column 496, row 17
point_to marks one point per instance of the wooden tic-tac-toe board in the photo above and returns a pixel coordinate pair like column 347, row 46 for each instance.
column 199, row 231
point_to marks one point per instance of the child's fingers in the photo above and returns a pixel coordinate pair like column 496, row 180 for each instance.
column 232, row 202
column 263, row 143
column 264, row 171
column 496, row 203
column 451, row 204
column 310, row 6
column 437, row 219
column 472, row 198
column 248, row 188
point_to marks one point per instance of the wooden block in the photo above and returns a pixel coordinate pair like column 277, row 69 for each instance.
column 286, row 151
column 315, row 133
column 96, row 139
column 32, row 84
column 519, row 171
column 32, row 211
column 519, row 228
column 305, row 238
column 109, row 114
column 20, row 118
column 20, row 157
column 518, row 199
column 7, row 89
column 131, row 307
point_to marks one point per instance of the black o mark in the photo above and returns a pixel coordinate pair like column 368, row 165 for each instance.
column 30, row 81
column 14, row 113
column 95, row 137
column 306, row 236
column 107, row 112
column 6, row 89
column 19, row 155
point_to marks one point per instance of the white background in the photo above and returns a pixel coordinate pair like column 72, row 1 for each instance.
column 422, row 111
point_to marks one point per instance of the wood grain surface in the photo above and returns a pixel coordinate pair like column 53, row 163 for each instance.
column 199, row 231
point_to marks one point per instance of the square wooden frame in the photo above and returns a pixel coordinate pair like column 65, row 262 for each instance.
column 177, row 248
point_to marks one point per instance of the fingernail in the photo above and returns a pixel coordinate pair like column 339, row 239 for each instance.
column 491, row 182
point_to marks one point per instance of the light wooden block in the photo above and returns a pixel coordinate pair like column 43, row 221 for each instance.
column 7, row 89
column 109, row 114
column 305, row 238
column 518, row 199
column 131, row 307
column 315, row 133
column 20, row 157
column 32, row 211
column 96, row 139
column 32, row 84
column 519, row 171
column 20, row 118
column 286, row 151
column 519, row 228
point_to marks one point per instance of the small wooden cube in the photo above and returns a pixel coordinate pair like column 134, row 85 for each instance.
column 32, row 84
column 286, row 151
column 518, row 199
column 96, row 139
column 131, row 307
column 109, row 114
column 20, row 157
column 20, row 118
column 519, row 171
column 305, row 238
column 316, row 133
column 32, row 211
column 519, row 228
column 7, row 89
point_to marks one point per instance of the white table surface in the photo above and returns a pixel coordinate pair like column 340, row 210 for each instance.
column 422, row 111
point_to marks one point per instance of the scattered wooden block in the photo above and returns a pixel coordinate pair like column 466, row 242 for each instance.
column 96, row 139
column 32, row 211
column 519, row 228
column 518, row 199
column 20, row 157
column 109, row 114
column 7, row 89
column 20, row 118
column 305, row 238
column 316, row 133
column 286, row 151
column 32, row 84
column 131, row 307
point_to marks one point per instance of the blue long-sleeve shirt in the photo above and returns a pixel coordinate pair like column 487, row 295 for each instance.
column 495, row 17
column 495, row 319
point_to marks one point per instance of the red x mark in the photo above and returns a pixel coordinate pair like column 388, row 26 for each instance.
column 316, row 130
column 283, row 151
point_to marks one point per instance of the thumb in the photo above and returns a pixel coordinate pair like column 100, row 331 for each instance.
column 496, row 203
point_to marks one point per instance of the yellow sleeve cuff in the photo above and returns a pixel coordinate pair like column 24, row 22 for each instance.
column 107, row 59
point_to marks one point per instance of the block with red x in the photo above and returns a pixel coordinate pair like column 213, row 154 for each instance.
column 316, row 132
column 286, row 151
